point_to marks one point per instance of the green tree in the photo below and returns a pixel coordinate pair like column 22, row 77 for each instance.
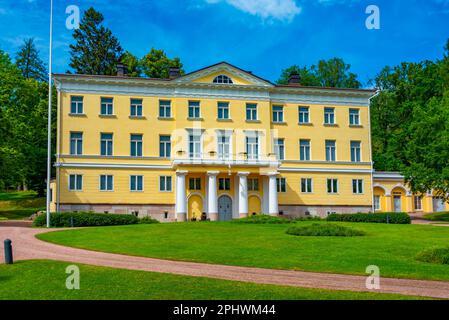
column 96, row 49
column 156, row 64
column 29, row 63
column 133, row 63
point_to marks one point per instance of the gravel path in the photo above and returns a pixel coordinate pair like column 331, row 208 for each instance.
column 26, row 246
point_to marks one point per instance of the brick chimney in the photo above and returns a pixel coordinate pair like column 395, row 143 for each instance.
column 174, row 72
column 294, row 78
column 122, row 70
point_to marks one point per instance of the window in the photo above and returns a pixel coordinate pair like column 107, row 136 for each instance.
column 107, row 107
column 332, row 185
column 164, row 146
column 251, row 112
column 418, row 203
column 224, row 146
column 76, row 143
column 281, row 185
column 76, row 105
column 304, row 115
column 136, row 145
column 329, row 116
column 279, row 149
column 304, row 150
column 136, row 108
column 136, row 183
column 164, row 109
column 223, row 79
column 330, row 151
column 106, row 183
column 194, row 146
column 278, row 114
column 357, row 186
column 224, row 184
column 355, row 151
column 75, row 182
column 195, row 183
column 253, row 184
column 194, row 109
column 223, row 110
column 106, row 144
column 306, row 185
column 377, row 203
column 354, row 117
column 252, row 148
column 165, row 184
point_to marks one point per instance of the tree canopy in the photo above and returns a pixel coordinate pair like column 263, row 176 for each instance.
column 156, row 64
column 29, row 63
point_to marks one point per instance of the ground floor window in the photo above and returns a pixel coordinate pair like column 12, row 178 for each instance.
column 106, row 183
column 376, row 202
column 165, row 183
column 332, row 185
column 253, row 184
column 357, row 186
column 418, row 203
column 281, row 185
column 224, row 184
column 136, row 183
column 195, row 183
column 306, row 185
column 75, row 182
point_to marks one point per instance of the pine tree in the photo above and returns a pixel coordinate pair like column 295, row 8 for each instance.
column 96, row 49
column 29, row 63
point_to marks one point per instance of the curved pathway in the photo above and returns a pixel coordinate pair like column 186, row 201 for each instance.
column 26, row 246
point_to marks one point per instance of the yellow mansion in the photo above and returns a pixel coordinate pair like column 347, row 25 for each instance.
column 218, row 143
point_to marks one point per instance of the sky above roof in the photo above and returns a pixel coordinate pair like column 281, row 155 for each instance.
column 263, row 36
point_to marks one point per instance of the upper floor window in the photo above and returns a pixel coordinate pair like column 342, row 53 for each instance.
column 76, row 105
column 136, row 145
column 329, row 116
column 195, row 184
column 76, row 143
column 356, row 151
column 165, row 146
column 330, row 151
column 281, row 184
column 136, row 108
column 253, row 184
column 136, row 183
column 224, row 146
column 278, row 114
column 252, row 148
column 164, row 109
column 223, row 110
column 195, row 146
column 304, row 115
column 357, row 186
column 106, row 141
column 304, row 150
column 106, row 182
column 165, row 183
column 224, row 184
column 222, row 79
column 354, row 117
column 75, row 182
column 107, row 106
column 279, row 149
column 194, row 109
column 251, row 111
column 306, row 185
column 332, row 185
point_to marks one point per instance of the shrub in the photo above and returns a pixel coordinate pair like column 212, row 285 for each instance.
column 393, row 218
column 263, row 219
column 85, row 219
column 438, row 216
column 309, row 218
column 148, row 220
column 324, row 230
column 434, row 255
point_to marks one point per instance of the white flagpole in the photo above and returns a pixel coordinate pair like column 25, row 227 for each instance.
column 49, row 115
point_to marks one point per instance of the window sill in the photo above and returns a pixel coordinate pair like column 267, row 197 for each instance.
column 355, row 126
column 112, row 116
column 137, row 117
column 279, row 123
column 306, row 124
column 166, row 118
column 81, row 115
column 224, row 120
column 253, row 121
column 195, row 119
column 330, row 125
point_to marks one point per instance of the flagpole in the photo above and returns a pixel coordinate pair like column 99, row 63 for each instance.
column 49, row 115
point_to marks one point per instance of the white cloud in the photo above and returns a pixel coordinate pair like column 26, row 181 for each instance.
column 284, row 10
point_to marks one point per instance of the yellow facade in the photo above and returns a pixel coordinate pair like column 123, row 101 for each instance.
column 239, row 168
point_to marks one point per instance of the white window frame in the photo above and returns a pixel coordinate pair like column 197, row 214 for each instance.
column 304, row 113
column 223, row 105
column 337, row 186
column 136, row 106
column 277, row 148
column 78, row 105
column 143, row 183
column 377, row 203
column 106, row 141
column 76, row 182
column 222, row 79
column 359, row 148
column 279, row 185
column 224, row 184
column 252, row 147
column 195, row 106
column 359, row 186
column 166, row 106
column 253, row 112
column 76, row 141
column 252, row 184
column 106, row 182
column 309, row 148
column 108, row 105
column 327, row 116
column 306, row 180
column 165, row 179
column 135, row 141
column 353, row 117
column 420, row 203
column 221, row 145
column 279, row 114
column 329, row 149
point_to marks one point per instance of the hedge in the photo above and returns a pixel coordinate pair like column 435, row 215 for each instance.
column 387, row 217
column 324, row 230
column 263, row 219
column 85, row 219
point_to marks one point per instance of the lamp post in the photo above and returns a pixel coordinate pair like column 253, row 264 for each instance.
column 49, row 115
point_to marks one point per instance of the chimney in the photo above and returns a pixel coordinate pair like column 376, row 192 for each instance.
column 122, row 70
column 294, row 78
column 174, row 72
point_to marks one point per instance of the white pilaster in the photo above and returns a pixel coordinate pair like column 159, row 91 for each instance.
column 181, row 198
column 212, row 203
column 273, row 206
column 243, row 194
column 265, row 194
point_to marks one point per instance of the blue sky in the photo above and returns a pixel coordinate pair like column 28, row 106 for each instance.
column 263, row 36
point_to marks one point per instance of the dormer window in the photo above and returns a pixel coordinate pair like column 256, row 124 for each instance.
column 223, row 79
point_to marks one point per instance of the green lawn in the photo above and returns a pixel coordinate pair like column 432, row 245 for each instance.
column 19, row 205
column 39, row 280
column 391, row 247
column 438, row 216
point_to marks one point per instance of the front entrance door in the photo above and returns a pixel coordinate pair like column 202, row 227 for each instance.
column 438, row 204
column 224, row 208
column 397, row 204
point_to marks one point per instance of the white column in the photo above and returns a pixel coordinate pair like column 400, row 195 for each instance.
column 273, row 207
column 243, row 194
column 265, row 195
column 181, row 199
column 212, row 204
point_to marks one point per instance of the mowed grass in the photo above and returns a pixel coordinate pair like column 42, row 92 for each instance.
column 46, row 280
column 19, row 205
column 392, row 248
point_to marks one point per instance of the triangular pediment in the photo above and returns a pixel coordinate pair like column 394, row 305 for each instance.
column 224, row 69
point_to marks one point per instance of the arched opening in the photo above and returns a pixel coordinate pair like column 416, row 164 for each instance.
column 223, row 79
column 195, row 207
column 398, row 196
column 224, row 208
column 379, row 199
column 254, row 205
